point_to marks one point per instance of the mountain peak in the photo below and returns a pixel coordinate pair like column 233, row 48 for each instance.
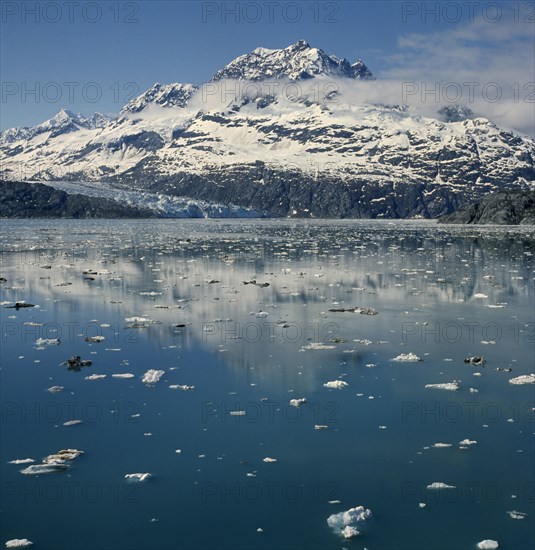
column 166, row 95
column 297, row 61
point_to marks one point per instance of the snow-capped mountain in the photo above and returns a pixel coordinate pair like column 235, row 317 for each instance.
column 296, row 62
column 62, row 123
column 280, row 132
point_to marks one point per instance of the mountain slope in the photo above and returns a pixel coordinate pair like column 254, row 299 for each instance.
column 282, row 133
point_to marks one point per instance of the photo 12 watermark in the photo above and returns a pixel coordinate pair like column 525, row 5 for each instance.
column 269, row 12
column 469, row 11
column 45, row 12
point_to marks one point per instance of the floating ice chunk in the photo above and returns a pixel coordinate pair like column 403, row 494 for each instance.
column 422, row 505
column 260, row 530
column 96, row 377
column 123, row 375
column 407, row 358
column 38, row 469
column 450, row 386
column 21, row 461
column 441, row 445
column 320, row 427
column 55, row 389
column 183, row 387
column 137, row 320
column 62, row 456
column 339, row 521
column 476, row 360
column 72, row 422
column 269, row 459
column 349, row 532
column 41, row 342
column 317, row 346
column 440, row 485
column 297, row 402
column 473, row 390
column 467, row 442
column 138, row 476
column 523, row 379
column 178, row 451
column 487, row 544
column 18, row 543
column 237, row 413
column 513, row 514
column 336, row 384
column 152, row 376
column 480, row 296
column 333, row 502
column 95, row 339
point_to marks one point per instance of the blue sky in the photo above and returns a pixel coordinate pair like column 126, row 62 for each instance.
column 93, row 56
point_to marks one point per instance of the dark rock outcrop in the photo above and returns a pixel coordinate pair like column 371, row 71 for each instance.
column 511, row 208
column 36, row 200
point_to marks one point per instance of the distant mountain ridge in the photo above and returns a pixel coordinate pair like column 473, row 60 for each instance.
column 281, row 133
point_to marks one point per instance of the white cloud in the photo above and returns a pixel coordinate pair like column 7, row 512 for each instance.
column 491, row 64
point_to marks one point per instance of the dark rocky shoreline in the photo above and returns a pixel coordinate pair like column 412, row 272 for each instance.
column 509, row 208
column 36, row 200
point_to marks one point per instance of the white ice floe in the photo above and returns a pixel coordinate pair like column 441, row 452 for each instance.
column 138, row 476
column 123, row 375
column 336, row 384
column 349, row 532
column 95, row 339
column 152, row 376
column 55, row 389
column 62, row 456
column 21, row 461
column 450, row 386
column 96, row 377
column 18, row 543
column 480, row 296
column 317, row 346
column 137, row 320
column 41, row 342
column 422, row 505
column 467, row 442
column 339, row 522
column 487, row 544
column 297, row 402
column 441, row 445
column 523, row 379
column 72, row 422
column 269, row 459
column 183, row 387
column 513, row 514
column 440, row 485
column 320, row 427
column 237, row 413
column 407, row 358
column 38, row 469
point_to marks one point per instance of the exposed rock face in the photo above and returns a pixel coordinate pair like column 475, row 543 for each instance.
column 511, row 208
column 36, row 200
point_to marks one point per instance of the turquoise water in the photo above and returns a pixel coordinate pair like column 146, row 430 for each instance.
column 439, row 293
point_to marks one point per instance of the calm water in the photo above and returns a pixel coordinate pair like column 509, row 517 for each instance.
column 440, row 293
